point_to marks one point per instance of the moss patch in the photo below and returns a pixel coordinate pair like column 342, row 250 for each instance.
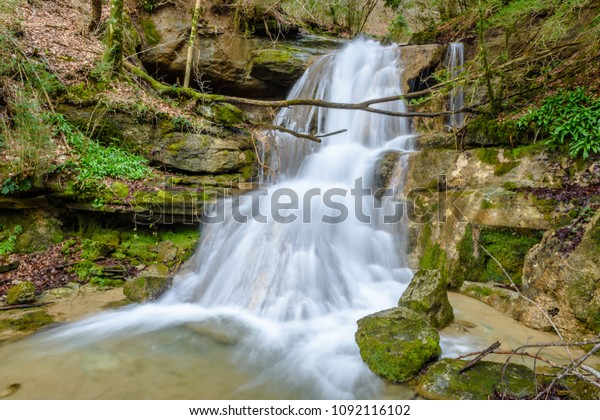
column 482, row 381
column 508, row 245
column 150, row 32
column 30, row 321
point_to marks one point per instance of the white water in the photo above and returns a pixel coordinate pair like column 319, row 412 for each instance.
column 455, row 60
column 289, row 294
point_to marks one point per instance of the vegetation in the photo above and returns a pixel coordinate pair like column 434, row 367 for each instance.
column 569, row 118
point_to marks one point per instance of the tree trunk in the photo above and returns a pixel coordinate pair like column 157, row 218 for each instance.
column 96, row 15
column 114, row 39
column 190, row 53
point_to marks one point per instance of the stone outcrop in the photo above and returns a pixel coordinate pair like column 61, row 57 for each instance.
column 21, row 293
column 228, row 62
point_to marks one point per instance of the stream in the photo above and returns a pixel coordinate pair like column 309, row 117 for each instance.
column 267, row 307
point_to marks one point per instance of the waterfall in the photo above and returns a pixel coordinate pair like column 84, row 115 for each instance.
column 455, row 64
column 287, row 282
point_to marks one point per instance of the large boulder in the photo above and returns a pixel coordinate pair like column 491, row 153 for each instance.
column 20, row 294
column 397, row 343
column 443, row 381
column 562, row 277
column 426, row 294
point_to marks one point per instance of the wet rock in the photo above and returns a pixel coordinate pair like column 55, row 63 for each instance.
column 384, row 170
column 426, row 294
column 20, row 294
column 6, row 266
column 146, row 287
column 200, row 153
column 442, row 381
column 167, row 252
column 497, row 296
column 279, row 66
column 27, row 322
column 397, row 343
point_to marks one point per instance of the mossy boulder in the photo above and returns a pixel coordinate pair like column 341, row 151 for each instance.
column 21, row 294
column 397, row 343
column 149, row 285
column 442, row 381
column 426, row 294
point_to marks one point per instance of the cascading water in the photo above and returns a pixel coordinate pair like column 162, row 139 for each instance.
column 288, row 285
column 455, row 59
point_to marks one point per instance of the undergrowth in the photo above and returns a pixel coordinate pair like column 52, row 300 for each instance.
column 569, row 118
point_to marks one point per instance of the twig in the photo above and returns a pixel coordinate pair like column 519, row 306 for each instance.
column 481, row 355
column 24, row 306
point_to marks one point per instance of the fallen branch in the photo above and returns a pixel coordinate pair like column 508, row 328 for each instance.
column 24, row 306
column 313, row 137
column 480, row 356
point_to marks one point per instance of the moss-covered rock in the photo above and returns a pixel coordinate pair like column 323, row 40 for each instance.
column 508, row 245
column 29, row 321
column 149, row 285
column 498, row 297
column 442, row 381
column 384, row 170
column 146, row 287
column 397, row 343
column 426, row 294
column 279, row 66
column 21, row 293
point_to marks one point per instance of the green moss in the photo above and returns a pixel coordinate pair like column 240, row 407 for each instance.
column 20, row 293
column 486, row 204
column 145, row 288
column 477, row 290
column 150, row 32
column 120, row 189
column 585, row 302
column 508, row 245
column 488, row 155
column 86, row 270
column 488, row 131
column 272, row 55
column 30, row 321
column 227, row 114
column 510, row 186
column 504, row 168
column 94, row 250
column 443, row 380
column 397, row 343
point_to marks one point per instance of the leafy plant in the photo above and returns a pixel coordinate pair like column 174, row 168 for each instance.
column 7, row 246
column 97, row 162
column 568, row 117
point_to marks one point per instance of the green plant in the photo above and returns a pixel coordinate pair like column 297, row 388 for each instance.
column 7, row 246
column 568, row 117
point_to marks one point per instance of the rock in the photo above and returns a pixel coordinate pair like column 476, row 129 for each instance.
column 498, row 297
column 279, row 66
column 21, row 293
column 397, row 343
column 566, row 284
column 384, row 170
column 41, row 231
column 200, row 153
column 167, row 252
column 146, row 287
column 230, row 63
column 442, row 381
column 435, row 141
column 6, row 266
column 426, row 294
column 422, row 61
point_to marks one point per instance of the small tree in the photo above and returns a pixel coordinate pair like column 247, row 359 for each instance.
column 190, row 52
column 114, row 39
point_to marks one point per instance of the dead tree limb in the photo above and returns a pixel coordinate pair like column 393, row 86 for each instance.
column 480, row 356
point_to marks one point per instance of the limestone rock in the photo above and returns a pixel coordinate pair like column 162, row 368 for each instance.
column 282, row 67
column 442, row 381
column 21, row 293
column 426, row 294
column 397, row 343
column 146, row 287
column 384, row 170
